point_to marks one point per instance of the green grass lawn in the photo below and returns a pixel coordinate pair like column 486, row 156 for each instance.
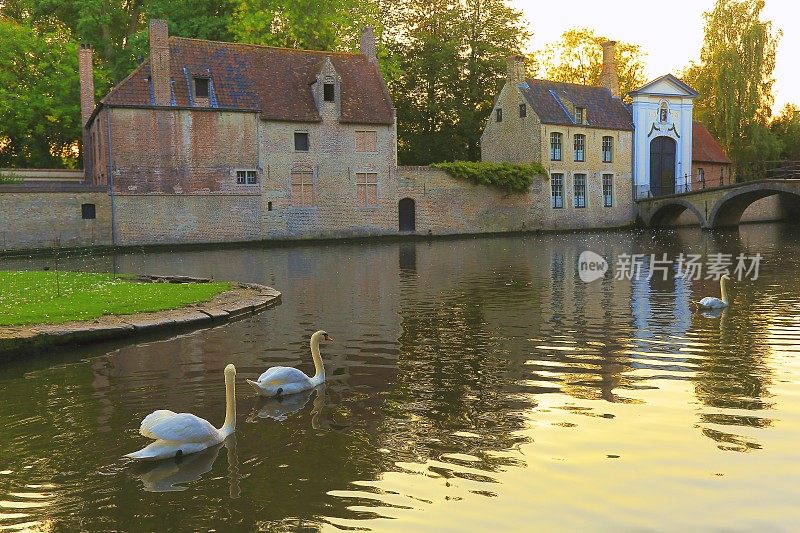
column 54, row 297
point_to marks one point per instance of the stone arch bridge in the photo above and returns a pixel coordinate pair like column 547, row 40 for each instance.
column 721, row 206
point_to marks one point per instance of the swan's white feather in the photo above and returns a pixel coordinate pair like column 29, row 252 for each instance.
column 278, row 375
column 178, row 427
column 152, row 419
column 711, row 302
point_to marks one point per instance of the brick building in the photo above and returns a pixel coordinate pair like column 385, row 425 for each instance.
column 581, row 134
column 213, row 142
column 209, row 141
column 711, row 166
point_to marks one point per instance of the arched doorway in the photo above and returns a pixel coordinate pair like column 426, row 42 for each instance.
column 662, row 166
column 406, row 214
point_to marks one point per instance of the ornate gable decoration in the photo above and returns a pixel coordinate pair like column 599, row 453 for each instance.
column 666, row 86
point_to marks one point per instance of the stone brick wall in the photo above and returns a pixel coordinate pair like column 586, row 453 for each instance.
column 713, row 173
column 445, row 205
column 333, row 163
column 595, row 214
column 38, row 219
column 181, row 219
column 515, row 139
column 178, row 151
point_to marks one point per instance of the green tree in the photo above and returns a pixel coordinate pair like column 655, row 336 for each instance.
column 786, row 127
column 577, row 57
column 305, row 24
column 39, row 97
column 734, row 78
column 451, row 61
column 117, row 30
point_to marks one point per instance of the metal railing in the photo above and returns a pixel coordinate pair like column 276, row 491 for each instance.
column 762, row 170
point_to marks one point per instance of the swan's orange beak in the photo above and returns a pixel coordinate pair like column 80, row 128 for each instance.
column 327, row 337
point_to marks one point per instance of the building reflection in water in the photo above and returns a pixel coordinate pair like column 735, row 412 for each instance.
column 446, row 354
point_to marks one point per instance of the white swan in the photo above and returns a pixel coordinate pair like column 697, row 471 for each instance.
column 283, row 380
column 178, row 434
column 709, row 302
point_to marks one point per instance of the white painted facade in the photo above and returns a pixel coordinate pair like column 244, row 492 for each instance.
column 662, row 108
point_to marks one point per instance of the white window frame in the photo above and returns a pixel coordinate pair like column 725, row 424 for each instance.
column 608, row 190
column 557, row 185
column 248, row 176
column 576, row 199
column 610, row 150
column 560, row 137
column 581, row 150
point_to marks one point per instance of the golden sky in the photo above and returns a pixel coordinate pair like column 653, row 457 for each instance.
column 670, row 49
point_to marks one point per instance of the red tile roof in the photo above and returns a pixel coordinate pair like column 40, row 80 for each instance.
column 705, row 147
column 602, row 109
column 274, row 81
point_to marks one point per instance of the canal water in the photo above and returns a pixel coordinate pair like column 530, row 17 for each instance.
column 473, row 384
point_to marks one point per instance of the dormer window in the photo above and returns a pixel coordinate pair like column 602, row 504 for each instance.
column 580, row 115
column 329, row 92
column 201, row 87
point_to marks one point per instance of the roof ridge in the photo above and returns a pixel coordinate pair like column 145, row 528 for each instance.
column 543, row 80
column 302, row 50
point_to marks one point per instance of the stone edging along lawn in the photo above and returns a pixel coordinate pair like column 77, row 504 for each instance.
column 240, row 300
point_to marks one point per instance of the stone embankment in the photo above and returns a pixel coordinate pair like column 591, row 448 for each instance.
column 241, row 300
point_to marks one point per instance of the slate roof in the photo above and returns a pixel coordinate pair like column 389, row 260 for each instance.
column 705, row 147
column 274, row 81
column 602, row 110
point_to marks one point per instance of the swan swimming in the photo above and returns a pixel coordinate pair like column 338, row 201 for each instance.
column 710, row 302
column 284, row 380
column 178, row 434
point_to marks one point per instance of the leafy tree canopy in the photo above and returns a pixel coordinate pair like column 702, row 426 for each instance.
column 577, row 57
column 734, row 78
column 786, row 127
column 39, row 96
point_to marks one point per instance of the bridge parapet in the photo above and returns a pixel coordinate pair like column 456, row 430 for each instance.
column 715, row 207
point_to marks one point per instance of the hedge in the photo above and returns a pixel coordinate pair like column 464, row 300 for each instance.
column 508, row 176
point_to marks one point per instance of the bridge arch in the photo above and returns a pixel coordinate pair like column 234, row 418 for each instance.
column 668, row 212
column 728, row 209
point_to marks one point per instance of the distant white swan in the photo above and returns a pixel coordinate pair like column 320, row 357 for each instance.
column 177, row 434
column 284, row 380
column 709, row 302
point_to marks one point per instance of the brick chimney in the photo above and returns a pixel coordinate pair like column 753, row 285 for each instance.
column 86, row 76
column 515, row 69
column 159, row 61
column 609, row 77
column 368, row 46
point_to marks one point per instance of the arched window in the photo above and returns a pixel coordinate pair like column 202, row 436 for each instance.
column 663, row 113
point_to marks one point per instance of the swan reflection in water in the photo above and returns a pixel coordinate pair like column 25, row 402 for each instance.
column 172, row 475
column 279, row 409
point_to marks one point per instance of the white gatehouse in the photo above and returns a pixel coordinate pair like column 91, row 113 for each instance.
column 662, row 139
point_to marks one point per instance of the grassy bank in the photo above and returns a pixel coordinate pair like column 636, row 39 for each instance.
column 55, row 297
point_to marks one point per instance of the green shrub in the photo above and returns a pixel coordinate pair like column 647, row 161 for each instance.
column 508, row 176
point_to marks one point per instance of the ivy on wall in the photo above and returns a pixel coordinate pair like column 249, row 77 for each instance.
column 508, row 176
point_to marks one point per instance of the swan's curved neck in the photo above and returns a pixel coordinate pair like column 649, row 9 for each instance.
column 723, row 290
column 319, row 368
column 230, row 405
